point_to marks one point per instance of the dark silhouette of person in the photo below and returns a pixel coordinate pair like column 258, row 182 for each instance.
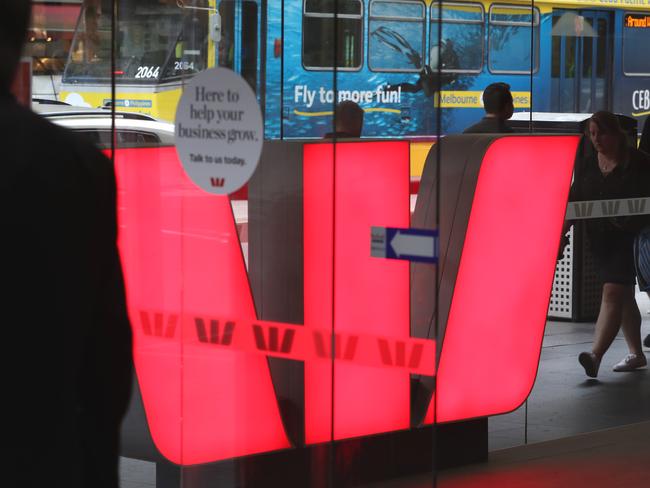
column 499, row 107
column 68, row 367
column 644, row 146
column 348, row 121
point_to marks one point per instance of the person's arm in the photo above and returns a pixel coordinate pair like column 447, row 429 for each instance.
column 574, row 193
column 564, row 240
column 641, row 179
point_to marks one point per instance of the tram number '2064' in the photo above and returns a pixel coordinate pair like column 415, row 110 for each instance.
column 641, row 99
column 183, row 65
column 147, row 72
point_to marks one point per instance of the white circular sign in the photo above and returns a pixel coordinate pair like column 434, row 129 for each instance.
column 219, row 131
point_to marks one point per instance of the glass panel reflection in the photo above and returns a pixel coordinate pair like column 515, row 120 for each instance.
column 312, row 337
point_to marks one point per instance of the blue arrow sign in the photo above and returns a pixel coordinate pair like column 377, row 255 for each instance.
column 409, row 244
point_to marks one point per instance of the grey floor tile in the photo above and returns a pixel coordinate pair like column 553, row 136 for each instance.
column 565, row 402
column 135, row 473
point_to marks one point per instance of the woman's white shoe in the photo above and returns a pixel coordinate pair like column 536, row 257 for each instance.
column 631, row 362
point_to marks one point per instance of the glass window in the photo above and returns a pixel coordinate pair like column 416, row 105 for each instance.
column 556, row 50
column 570, row 49
column 510, row 39
column 247, row 37
column 50, row 36
column 320, row 47
column 189, row 53
column 154, row 41
column 456, row 37
column 249, row 43
column 226, row 49
column 636, row 33
column 345, row 7
column 602, row 46
column 396, row 41
column 587, row 55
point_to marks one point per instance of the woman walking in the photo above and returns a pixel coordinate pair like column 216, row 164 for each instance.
column 616, row 170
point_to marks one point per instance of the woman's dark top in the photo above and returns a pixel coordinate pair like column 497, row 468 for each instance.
column 611, row 239
column 489, row 125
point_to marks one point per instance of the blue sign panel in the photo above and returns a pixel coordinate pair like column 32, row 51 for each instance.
column 419, row 245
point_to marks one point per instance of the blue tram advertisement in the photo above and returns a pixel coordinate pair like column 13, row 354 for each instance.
column 400, row 60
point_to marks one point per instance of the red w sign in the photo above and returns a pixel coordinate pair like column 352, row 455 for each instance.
column 201, row 353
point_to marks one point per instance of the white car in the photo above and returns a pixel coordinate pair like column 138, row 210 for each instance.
column 131, row 129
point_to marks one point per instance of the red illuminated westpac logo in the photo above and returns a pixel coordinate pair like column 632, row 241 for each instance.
column 201, row 353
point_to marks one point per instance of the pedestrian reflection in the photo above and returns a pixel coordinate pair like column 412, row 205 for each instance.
column 615, row 170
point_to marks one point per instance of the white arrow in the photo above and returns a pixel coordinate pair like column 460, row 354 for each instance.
column 413, row 245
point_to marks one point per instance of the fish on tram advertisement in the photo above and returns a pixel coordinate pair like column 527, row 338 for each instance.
column 400, row 60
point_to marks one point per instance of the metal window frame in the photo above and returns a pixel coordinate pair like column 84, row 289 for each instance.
column 441, row 21
column 318, row 15
column 421, row 20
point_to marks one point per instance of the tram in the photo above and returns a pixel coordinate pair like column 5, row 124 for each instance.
column 400, row 60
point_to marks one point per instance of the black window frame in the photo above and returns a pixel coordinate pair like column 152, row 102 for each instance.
column 360, row 17
column 623, row 41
